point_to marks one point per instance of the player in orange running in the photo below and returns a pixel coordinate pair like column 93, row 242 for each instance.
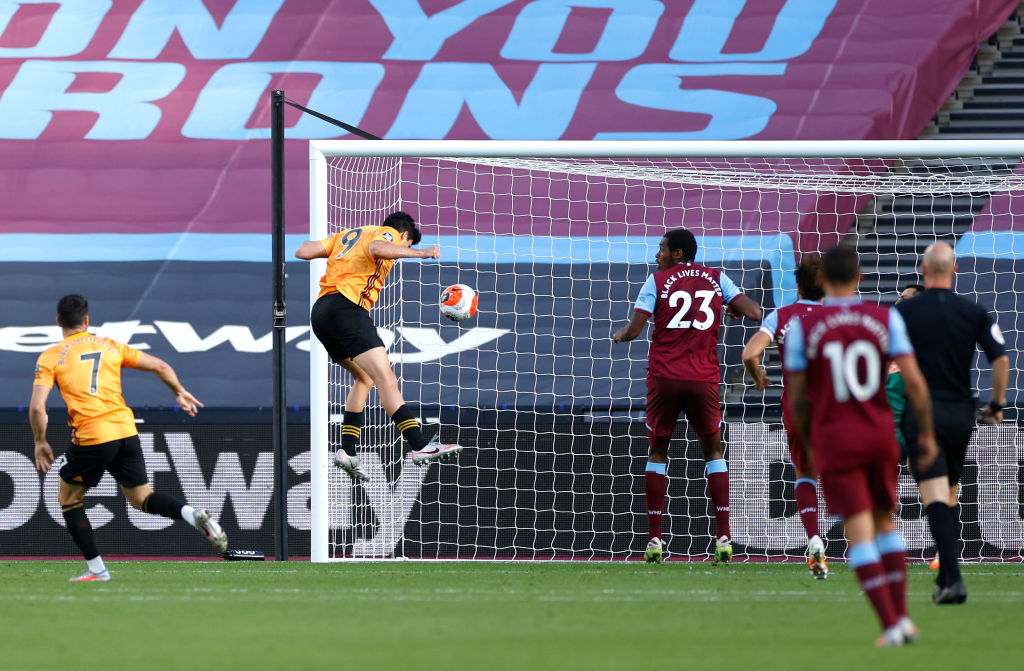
column 87, row 371
column 358, row 262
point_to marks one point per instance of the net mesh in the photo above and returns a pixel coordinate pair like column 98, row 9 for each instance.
column 553, row 412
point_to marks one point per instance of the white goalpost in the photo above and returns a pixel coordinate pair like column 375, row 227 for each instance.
column 557, row 237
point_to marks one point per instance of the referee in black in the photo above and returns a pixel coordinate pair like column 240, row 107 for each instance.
column 944, row 329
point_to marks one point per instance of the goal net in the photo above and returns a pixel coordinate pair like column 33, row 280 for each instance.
column 557, row 238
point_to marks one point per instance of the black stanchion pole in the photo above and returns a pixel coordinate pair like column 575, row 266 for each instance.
column 279, row 316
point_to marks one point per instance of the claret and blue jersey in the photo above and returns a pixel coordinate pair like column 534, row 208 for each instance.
column 776, row 325
column 844, row 347
column 686, row 302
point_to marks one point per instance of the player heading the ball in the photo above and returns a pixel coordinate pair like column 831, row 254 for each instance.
column 836, row 359
column 685, row 299
column 358, row 262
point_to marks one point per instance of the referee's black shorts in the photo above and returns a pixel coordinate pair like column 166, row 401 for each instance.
column 954, row 423
column 84, row 464
column 344, row 328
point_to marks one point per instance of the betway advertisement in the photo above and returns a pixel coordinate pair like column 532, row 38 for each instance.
column 541, row 339
column 538, row 488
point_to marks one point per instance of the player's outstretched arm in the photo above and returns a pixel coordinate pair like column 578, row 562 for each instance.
column 311, row 249
column 752, row 359
column 633, row 329
column 1000, row 379
column 37, row 418
column 744, row 306
column 916, row 389
column 382, row 249
column 186, row 401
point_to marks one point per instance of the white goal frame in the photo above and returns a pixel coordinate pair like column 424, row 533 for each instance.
column 321, row 150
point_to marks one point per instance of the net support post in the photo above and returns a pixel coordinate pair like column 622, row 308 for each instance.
column 280, row 423
column 318, row 401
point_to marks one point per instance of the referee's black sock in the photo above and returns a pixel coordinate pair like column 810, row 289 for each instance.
column 940, row 520
column 350, row 431
column 958, row 529
column 163, row 505
column 409, row 426
column 80, row 529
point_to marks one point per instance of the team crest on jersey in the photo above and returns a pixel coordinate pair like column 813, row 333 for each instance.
column 388, row 237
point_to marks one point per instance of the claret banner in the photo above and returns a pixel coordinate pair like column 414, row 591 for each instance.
column 146, row 116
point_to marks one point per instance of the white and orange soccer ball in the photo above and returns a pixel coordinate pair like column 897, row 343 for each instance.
column 458, row 302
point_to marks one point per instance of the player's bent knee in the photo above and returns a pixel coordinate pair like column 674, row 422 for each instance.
column 70, row 499
column 68, row 494
column 137, row 495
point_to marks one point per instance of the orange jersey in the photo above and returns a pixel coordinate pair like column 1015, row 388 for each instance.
column 87, row 371
column 351, row 270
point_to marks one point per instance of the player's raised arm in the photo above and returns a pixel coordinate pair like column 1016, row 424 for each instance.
column 381, row 249
column 186, row 401
column 311, row 249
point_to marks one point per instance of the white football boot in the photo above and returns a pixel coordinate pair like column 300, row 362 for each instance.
column 816, row 563
column 350, row 464
column 890, row 638
column 89, row 576
column 909, row 630
column 435, row 451
column 211, row 530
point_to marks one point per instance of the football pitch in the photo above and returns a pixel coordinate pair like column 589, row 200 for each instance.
column 409, row 615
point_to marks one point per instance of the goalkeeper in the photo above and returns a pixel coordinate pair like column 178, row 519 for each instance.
column 894, row 389
column 358, row 262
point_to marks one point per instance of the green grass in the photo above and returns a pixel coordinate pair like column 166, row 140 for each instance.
column 407, row 615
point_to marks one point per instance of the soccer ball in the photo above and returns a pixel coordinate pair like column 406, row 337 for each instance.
column 458, row 302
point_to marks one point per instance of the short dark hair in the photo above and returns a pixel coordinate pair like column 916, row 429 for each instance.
column 72, row 310
column 840, row 264
column 807, row 280
column 682, row 239
column 915, row 286
column 403, row 223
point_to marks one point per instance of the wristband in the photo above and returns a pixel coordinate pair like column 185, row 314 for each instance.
column 995, row 407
